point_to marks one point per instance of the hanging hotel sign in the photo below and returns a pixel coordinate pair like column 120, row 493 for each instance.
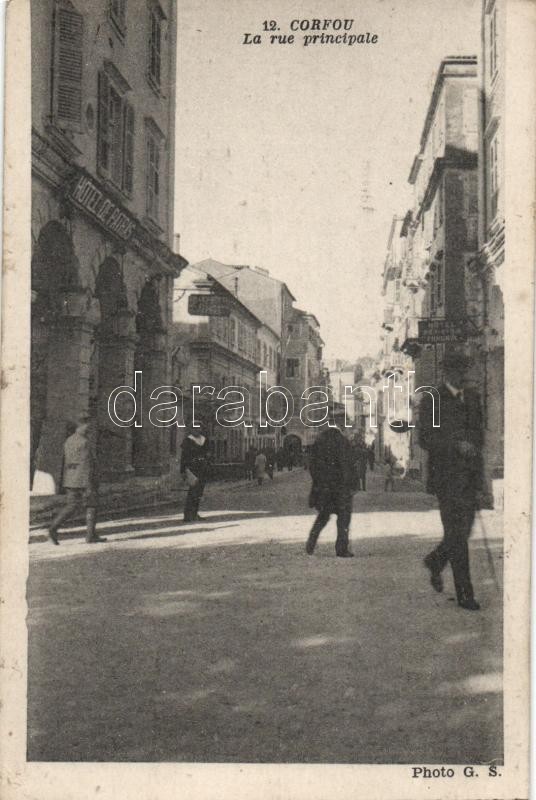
column 209, row 305
column 87, row 195
column 439, row 331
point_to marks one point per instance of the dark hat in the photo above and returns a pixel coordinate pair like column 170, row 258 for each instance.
column 457, row 360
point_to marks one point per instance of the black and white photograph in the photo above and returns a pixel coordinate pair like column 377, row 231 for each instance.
column 273, row 445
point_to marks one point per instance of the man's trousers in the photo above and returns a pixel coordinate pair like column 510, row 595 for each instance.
column 457, row 516
column 77, row 500
column 333, row 502
column 193, row 499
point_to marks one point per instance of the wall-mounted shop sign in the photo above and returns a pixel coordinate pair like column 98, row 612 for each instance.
column 88, row 196
column 439, row 331
column 209, row 305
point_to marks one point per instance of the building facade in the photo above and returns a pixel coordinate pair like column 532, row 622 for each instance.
column 490, row 265
column 219, row 351
column 103, row 264
column 433, row 298
column 267, row 297
column 302, row 369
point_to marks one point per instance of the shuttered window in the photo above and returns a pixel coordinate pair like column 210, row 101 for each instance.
column 153, row 176
column 118, row 14
column 115, row 141
column 492, row 45
column 128, row 150
column 493, row 169
column 67, row 67
column 155, row 46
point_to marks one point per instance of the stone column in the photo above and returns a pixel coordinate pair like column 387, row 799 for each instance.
column 117, row 345
column 67, row 386
column 151, row 444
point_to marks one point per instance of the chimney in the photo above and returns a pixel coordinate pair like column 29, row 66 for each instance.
column 177, row 243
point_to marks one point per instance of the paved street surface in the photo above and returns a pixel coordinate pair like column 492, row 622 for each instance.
column 223, row 641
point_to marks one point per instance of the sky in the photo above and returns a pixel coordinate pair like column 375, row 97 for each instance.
column 275, row 143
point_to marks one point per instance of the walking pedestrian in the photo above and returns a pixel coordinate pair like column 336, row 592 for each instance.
column 250, row 463
column 260, row 467
column 361, row 457
column 334, row 475
column 455, row 472
column 194, row 470
column 280, row 459
column 390, row 471
column 79, row 479
column 371, row 456
column 270, row 462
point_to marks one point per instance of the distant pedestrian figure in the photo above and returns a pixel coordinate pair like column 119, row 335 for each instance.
column 260, row 468
column 250, row 463
column 361, row 458
column 79, row 479
column 390, row 472
column 371, row 457
column 194, row 470
column 280, row 459
column 270, row 462
column 334, row 475
column 290, row 459
column 455, row 472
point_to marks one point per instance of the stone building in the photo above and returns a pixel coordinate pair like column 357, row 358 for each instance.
column 394, row 362
column 271, row 301
column 267, row 297
column 302, row 369
column 433, row 298
column 489, row 265
column 103, row 266
column 222, row 351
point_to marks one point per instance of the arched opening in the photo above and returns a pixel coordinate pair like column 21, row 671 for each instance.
column 54, row 272
column 292, row 447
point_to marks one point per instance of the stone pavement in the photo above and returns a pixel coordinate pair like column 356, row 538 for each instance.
column 223, row 641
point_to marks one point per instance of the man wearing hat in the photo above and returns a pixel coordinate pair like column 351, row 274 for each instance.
column 455, row 469
column 79, row 480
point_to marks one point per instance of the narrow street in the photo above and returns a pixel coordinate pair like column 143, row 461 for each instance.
column 223, row 641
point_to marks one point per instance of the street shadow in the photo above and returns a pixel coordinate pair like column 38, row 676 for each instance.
column 256, row 652
column 167, row 534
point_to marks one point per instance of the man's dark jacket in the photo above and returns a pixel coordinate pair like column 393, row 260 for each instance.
column 451, row 473
column 332, row 466
column 195, row 457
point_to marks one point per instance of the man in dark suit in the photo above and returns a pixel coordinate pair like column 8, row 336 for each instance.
column 194, row 470
column 335, row 478
column 454, row 471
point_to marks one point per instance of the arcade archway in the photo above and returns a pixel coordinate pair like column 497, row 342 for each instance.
column 54, row 273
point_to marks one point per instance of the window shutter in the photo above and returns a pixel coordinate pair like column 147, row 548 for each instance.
column 69, row 28
column 149, row 178
column 156, row 174
column 128, row 150
column 158, row 45
column 116, row 118
column 103, row 144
